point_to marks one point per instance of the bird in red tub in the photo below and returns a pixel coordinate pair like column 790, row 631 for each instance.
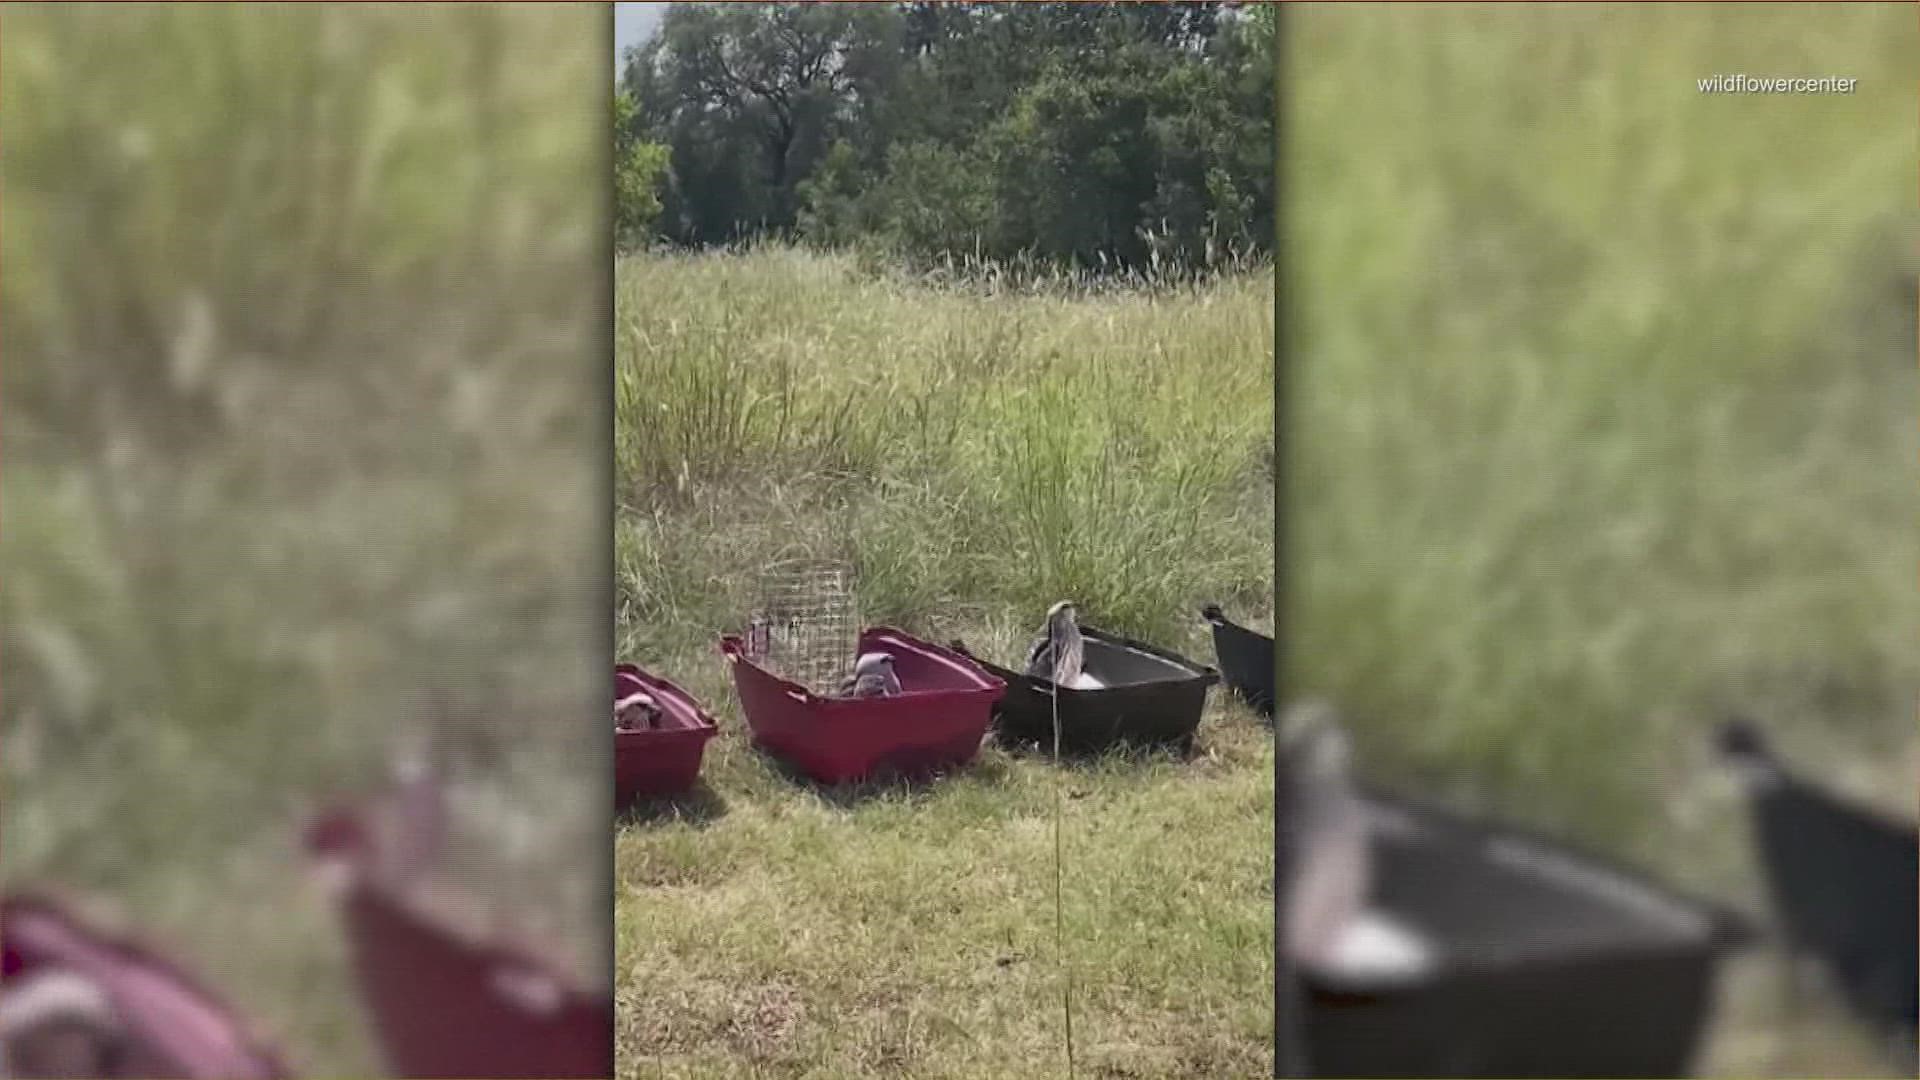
column 57, row 1023
column 636, row 712
column 873, row 676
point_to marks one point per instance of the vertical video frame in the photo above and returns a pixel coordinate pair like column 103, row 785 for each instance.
column 944, row 486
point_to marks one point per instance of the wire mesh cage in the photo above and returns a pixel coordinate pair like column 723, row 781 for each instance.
column 805, row 623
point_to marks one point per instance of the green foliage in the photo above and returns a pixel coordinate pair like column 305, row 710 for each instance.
column 638, row 169
column 1092, row 135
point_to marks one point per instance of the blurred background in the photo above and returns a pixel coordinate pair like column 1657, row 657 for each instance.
column 304, row 427
column 1601, row 419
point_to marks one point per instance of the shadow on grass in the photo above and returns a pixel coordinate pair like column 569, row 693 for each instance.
column 1114, row 755
column 909, row 783
column 699, row 806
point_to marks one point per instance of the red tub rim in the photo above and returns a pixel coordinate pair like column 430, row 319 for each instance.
column 683, row 707
column 733, row 647
column 241, row 1039
column 344, row 840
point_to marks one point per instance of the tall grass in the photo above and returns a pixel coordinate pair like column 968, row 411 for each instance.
column 297, row 350
column 1603, row 406
column 962, row 450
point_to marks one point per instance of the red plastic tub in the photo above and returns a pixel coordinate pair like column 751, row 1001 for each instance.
column 937, row 720
column 178, row 1029
column 445, row 1005
column 665, row 760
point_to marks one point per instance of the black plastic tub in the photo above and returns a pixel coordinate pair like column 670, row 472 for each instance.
column 1548, row 962
column 1247, row 660
column 1152, row 699
column 1845, row 886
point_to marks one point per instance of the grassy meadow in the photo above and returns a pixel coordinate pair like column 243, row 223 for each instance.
column 976, row 451
column 1602, row 421
column 297, row 346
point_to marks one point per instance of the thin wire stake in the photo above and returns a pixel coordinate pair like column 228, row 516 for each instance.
column 1059, row 872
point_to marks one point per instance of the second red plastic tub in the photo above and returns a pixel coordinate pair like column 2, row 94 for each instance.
column 664, row 760
column 938, row 720
column 445, row 1003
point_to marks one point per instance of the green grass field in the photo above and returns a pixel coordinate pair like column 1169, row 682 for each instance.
column 975, row 456
column 1604, row 419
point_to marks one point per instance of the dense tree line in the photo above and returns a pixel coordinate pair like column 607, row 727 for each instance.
column 1093, row 134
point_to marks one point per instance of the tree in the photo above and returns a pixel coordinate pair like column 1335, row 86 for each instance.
column 638, row 167
column 749, row 98
column 1092, row 134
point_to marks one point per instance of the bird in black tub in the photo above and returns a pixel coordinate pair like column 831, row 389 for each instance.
column 1845, row 885
column 1331, row 923
column 1059, row 654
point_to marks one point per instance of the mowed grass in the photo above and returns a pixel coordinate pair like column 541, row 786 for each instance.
column 1602, row 420
column 976, row 453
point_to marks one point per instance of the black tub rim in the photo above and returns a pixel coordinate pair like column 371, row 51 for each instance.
column 1216, row 616
column 1245, row 681
column 1198, row 673
column 1725, row 930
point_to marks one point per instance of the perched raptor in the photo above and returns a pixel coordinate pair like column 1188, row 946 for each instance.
column 1331, row 924
column 873, row 676
column 636, row 712
column 1059, row 654
column 58, row 1024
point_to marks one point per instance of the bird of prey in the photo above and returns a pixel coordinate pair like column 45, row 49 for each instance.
column 873, row 676
column 58, row 1023
column 1058, row 654
column 1332, row 866
column 1332, row 925
column 1845, row 884
column 636, row 712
